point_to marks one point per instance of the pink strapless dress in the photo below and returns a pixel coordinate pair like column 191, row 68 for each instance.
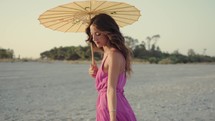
column 124, row 111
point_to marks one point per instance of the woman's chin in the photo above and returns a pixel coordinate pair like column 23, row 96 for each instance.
column 99, row 46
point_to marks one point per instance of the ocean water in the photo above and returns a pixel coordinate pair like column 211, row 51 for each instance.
column 59, row 91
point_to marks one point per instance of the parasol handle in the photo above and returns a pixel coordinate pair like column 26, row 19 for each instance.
column 92, row 54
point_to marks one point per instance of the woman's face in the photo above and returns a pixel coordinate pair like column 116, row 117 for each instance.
column 99, row 37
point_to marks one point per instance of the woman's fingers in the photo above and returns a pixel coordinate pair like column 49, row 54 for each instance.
column 93, row 70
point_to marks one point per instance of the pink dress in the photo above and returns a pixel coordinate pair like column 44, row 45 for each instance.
column 124, row 111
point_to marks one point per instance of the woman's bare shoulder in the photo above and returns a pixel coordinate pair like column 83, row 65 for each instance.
column 115, row 54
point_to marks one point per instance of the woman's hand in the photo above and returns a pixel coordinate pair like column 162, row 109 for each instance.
column 93, row 70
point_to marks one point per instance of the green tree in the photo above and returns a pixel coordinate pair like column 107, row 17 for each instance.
column 6, row 53
column 131, row 42
column 150, row 40
column 191, row 52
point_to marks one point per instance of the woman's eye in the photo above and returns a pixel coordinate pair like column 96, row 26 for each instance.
column 98, row 34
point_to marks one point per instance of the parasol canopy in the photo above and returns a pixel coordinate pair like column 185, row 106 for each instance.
column 75, row 16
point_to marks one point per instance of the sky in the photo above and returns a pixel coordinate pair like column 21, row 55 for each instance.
column 181, row 24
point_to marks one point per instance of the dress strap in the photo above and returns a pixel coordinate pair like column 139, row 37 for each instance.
column 103, row 61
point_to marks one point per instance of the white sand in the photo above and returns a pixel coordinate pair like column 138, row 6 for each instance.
column 64, row 92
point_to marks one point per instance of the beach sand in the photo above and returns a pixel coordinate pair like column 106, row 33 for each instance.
column 36, row 91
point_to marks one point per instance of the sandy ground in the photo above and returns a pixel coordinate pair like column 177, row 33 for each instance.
column 64, row 92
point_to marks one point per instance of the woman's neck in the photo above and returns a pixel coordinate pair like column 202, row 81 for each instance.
column 106, row 49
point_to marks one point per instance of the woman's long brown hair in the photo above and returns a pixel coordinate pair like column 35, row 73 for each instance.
column 106, row 23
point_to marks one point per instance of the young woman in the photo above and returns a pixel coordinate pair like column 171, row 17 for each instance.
column 111, row 104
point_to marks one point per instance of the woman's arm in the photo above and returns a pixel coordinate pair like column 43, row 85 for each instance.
column 114, row 65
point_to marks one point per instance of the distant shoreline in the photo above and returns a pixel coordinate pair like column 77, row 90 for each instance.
column 134, row 61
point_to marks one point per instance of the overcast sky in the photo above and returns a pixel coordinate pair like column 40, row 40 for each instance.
column 182, row 25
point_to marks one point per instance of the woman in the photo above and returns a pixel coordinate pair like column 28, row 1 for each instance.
column 111, row 105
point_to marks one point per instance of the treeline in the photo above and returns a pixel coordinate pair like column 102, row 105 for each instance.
column 149, row 51
column 145, row 51
column 6, row 53
column 67, row 53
